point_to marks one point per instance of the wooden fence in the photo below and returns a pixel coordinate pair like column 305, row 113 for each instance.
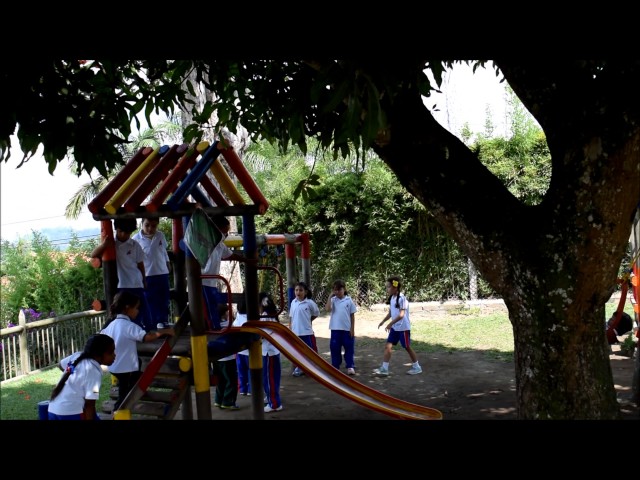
column 32, row 346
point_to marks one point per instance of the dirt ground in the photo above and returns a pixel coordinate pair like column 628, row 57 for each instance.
column 461, row 385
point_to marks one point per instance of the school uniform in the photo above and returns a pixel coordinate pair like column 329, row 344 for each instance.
column 226, row 392
column 128, row 254
column 271, row 372
column 83, row 384
column 126, row 366
column 242, row 361
column 156, row 260
column 300, row 313
column 400, row 331
column 340, row 326
column 210, row 285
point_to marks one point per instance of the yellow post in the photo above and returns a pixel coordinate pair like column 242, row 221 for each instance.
column 124, row 414
column 129, row 185
column 226, row 183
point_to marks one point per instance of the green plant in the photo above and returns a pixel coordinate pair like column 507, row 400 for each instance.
column 37, row 276
column 629, row 344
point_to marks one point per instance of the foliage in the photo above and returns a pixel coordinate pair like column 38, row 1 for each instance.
column 522, row 162
column 361, row 207
column 167, row 130
column 358, row 209
column 88, row 107
column 83, row 108
column 36, row 276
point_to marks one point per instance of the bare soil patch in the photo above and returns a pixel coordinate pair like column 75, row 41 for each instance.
column 463, row 385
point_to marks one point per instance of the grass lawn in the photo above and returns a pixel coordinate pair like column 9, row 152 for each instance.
column 470, row 331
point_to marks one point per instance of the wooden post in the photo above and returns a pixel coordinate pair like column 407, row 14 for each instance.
column 25, row 364
column 109, row 267
column 179, row 268
column 199, row 353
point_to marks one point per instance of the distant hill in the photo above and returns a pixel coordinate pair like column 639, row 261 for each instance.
column 60, row 236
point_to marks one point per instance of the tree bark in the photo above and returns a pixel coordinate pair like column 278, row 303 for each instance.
column 554, row 264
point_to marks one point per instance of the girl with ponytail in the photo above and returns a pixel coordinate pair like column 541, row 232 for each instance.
column 75, row 395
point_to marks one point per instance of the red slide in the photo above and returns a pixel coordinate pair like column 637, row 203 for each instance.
column 318, row 368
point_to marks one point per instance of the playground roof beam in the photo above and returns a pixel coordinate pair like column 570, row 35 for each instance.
column 186, row 209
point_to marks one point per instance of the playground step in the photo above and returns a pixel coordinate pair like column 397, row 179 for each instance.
column 170, row 365
column 162, row 404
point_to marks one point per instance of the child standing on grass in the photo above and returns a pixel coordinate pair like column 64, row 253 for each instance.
column 226, row 371
column 399, row 328
column 75, row 395
column 271, row 366
column 302, row 312
column 126, row 334
column 156, row 267
column 342, row 325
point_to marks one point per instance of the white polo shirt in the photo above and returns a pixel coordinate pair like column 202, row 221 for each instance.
column 83, row 383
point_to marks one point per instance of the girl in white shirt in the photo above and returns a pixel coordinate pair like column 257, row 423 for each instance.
column 271, row 366
column 127, row 334
column 156, row 268
column 302, row 312
column 342, row 325
column 75, row 395
column 399, row 328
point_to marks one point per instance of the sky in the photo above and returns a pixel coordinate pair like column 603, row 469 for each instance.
column 32, row 199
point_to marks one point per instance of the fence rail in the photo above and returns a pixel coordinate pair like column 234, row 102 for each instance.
column 32, row 346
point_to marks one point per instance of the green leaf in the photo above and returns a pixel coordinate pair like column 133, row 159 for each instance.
column 340, row 93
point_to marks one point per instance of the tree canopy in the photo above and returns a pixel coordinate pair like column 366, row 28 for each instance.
column 554, row 263
column 86, row 108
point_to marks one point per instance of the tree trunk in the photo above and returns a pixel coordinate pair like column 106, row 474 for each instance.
column 239, row 141
column 554, row 264
column 562, row 362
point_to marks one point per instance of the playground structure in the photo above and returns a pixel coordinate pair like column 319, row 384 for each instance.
column 167, row 177
column 630, row 289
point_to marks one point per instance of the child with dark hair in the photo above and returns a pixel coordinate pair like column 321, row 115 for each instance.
column 157, row 267
column 342, row 325
column 302, row 312
column 129, row 265
column 399, row 328
column 615, row 330
column 271, row 366
column 126, row 334
column 75, row 395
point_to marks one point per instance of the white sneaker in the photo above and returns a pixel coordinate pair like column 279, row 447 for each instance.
column 381, row 371
column 351, row 371
column 268, row 409
column 414, row 370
